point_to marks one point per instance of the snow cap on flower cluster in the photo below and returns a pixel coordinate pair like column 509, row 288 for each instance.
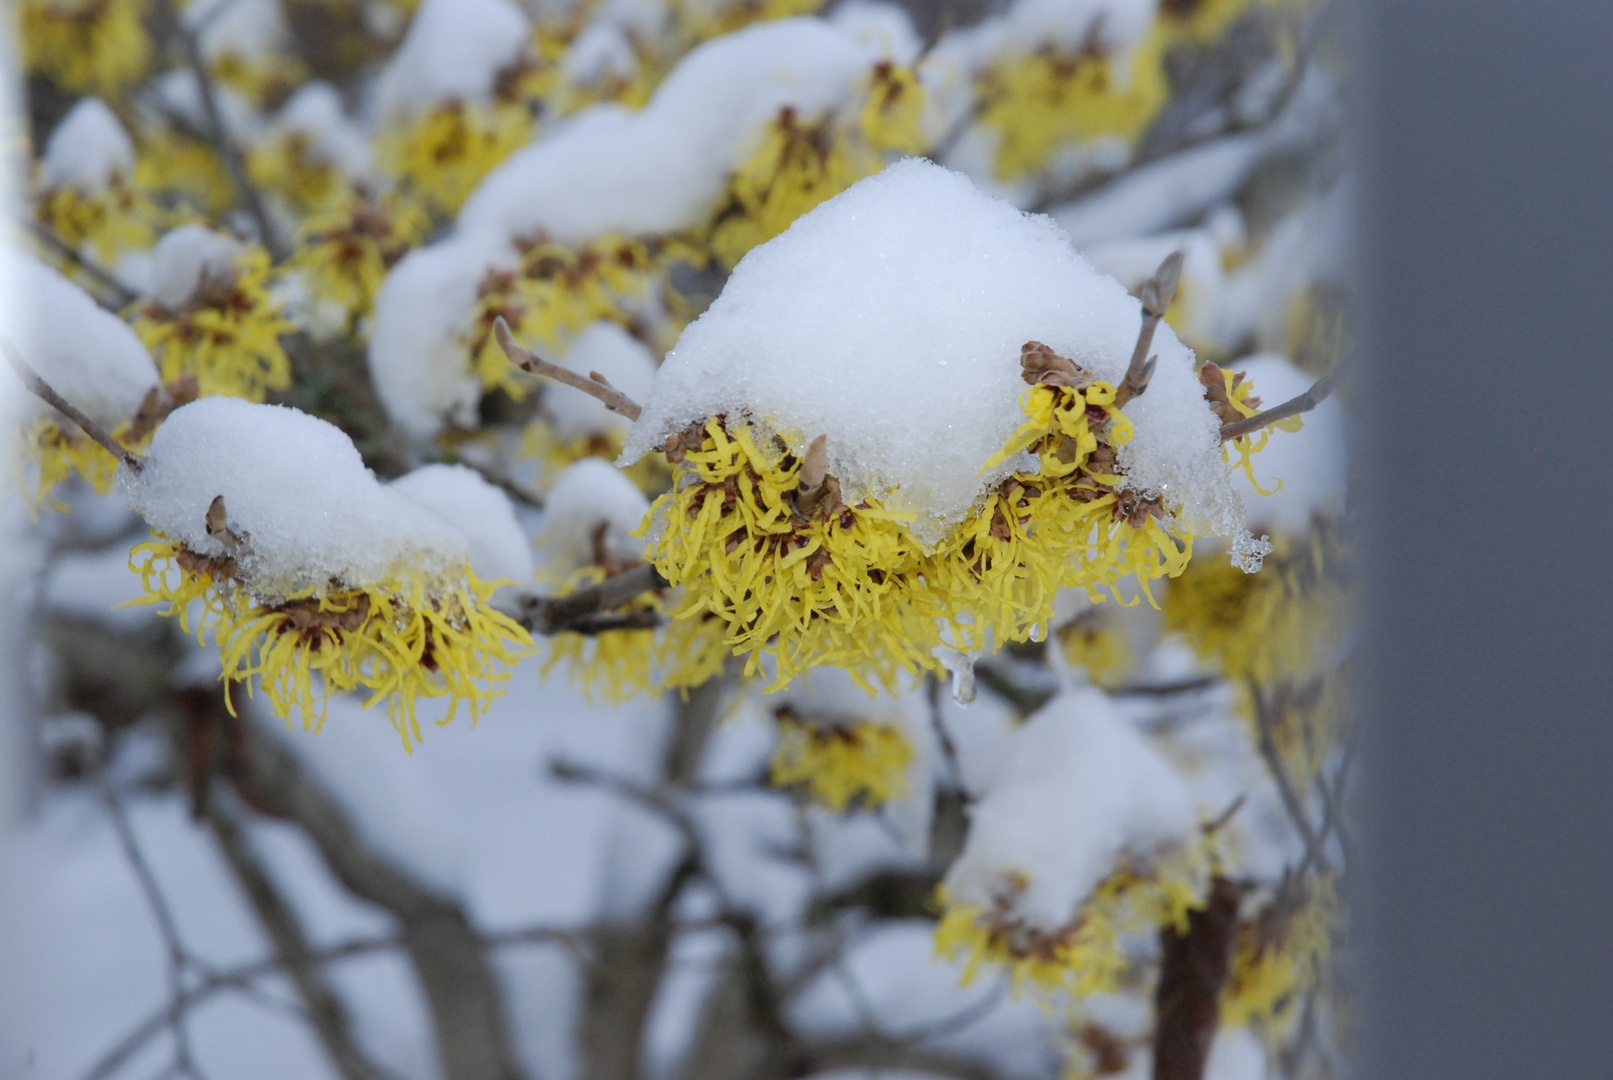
column 1077, row 787
column 298, row 493
column 606, row 169
column 315, row 113
column 458, row 494
column 454, row 51
column 891, row 319
column 87, row 149
column 614, row 353
column 187, row 255
column 659, row 168
column 86, row 353
column 587, row 495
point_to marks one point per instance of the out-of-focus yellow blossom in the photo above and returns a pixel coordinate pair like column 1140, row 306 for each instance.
column 852, row 587
column 650, row 473
column 399, row 640
column 287, row 165
column 179, row 166
column 111, row 222
column 1280, row 955
column 1087, row 955
column 838, row 763
column 556, row 292
column 227, row 335
column 1042, row 101
column 1280, row 624
column 345, row 251
column 60, row 453
column 891, row 119
column 98, row 46
column 263, row 81
column 618, row 664
column 796, row 167
column 701, row 20
column 1099, row 647
column 1204, row 21
column 441, row 155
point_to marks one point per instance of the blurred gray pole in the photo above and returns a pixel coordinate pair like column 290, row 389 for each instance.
column 1489, row 168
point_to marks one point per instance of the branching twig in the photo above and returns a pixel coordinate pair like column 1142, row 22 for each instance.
column 234, row 164
column 1304, row 403
column 122, row 295
column 1285, row 786
column 612, row 398
column 46, row 393
column 1157, row 294
column 178, row 959
column 587, row 610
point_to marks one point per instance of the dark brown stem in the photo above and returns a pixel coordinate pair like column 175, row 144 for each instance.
column 122, row 296
column 1193, row 971
column 1304, row 403
column 1157, row 294
column 584, row 611
column 46, row 393
column 613, row 399
column 234, row 164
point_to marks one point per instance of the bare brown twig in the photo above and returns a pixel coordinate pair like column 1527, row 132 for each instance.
column 121, row 295
column 1303, row 403
column 588, row 611
column 46, row 393
column 234, row 163
column 612, row 398
column 1157, row 294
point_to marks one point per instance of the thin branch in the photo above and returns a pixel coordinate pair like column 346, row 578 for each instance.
column 1304, row 403
column 949, row 749
column 1285, row 786
column 612, row 398
column 178, row 959
column 585, row 611
column 1170, row 689
column 326, row 1012
column 234, row 164
column 46, row 393
column 122, row 295
column 1157, row 294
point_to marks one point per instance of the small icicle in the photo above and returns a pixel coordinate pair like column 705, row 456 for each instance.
column 963, row 681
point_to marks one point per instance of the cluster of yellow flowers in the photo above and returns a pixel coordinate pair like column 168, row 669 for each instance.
column 397, row 640
column 841, row 764
column 227, row 335
column 1087, row 956
column 850, row 586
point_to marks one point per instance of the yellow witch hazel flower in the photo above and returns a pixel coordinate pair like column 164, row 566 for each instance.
column 211, row 315
column 91, row 357
column 1281, row 624
column 312, row 578
column 799, row 164
column 345, row 250
column 632, row 649
column 86, row 190
column 1281, row 953
column 861, row 476
column 840, row 763
column 1086, row 837
column 556, row 292
column 1040, row 101
column 86, row 45
column 453, row 98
